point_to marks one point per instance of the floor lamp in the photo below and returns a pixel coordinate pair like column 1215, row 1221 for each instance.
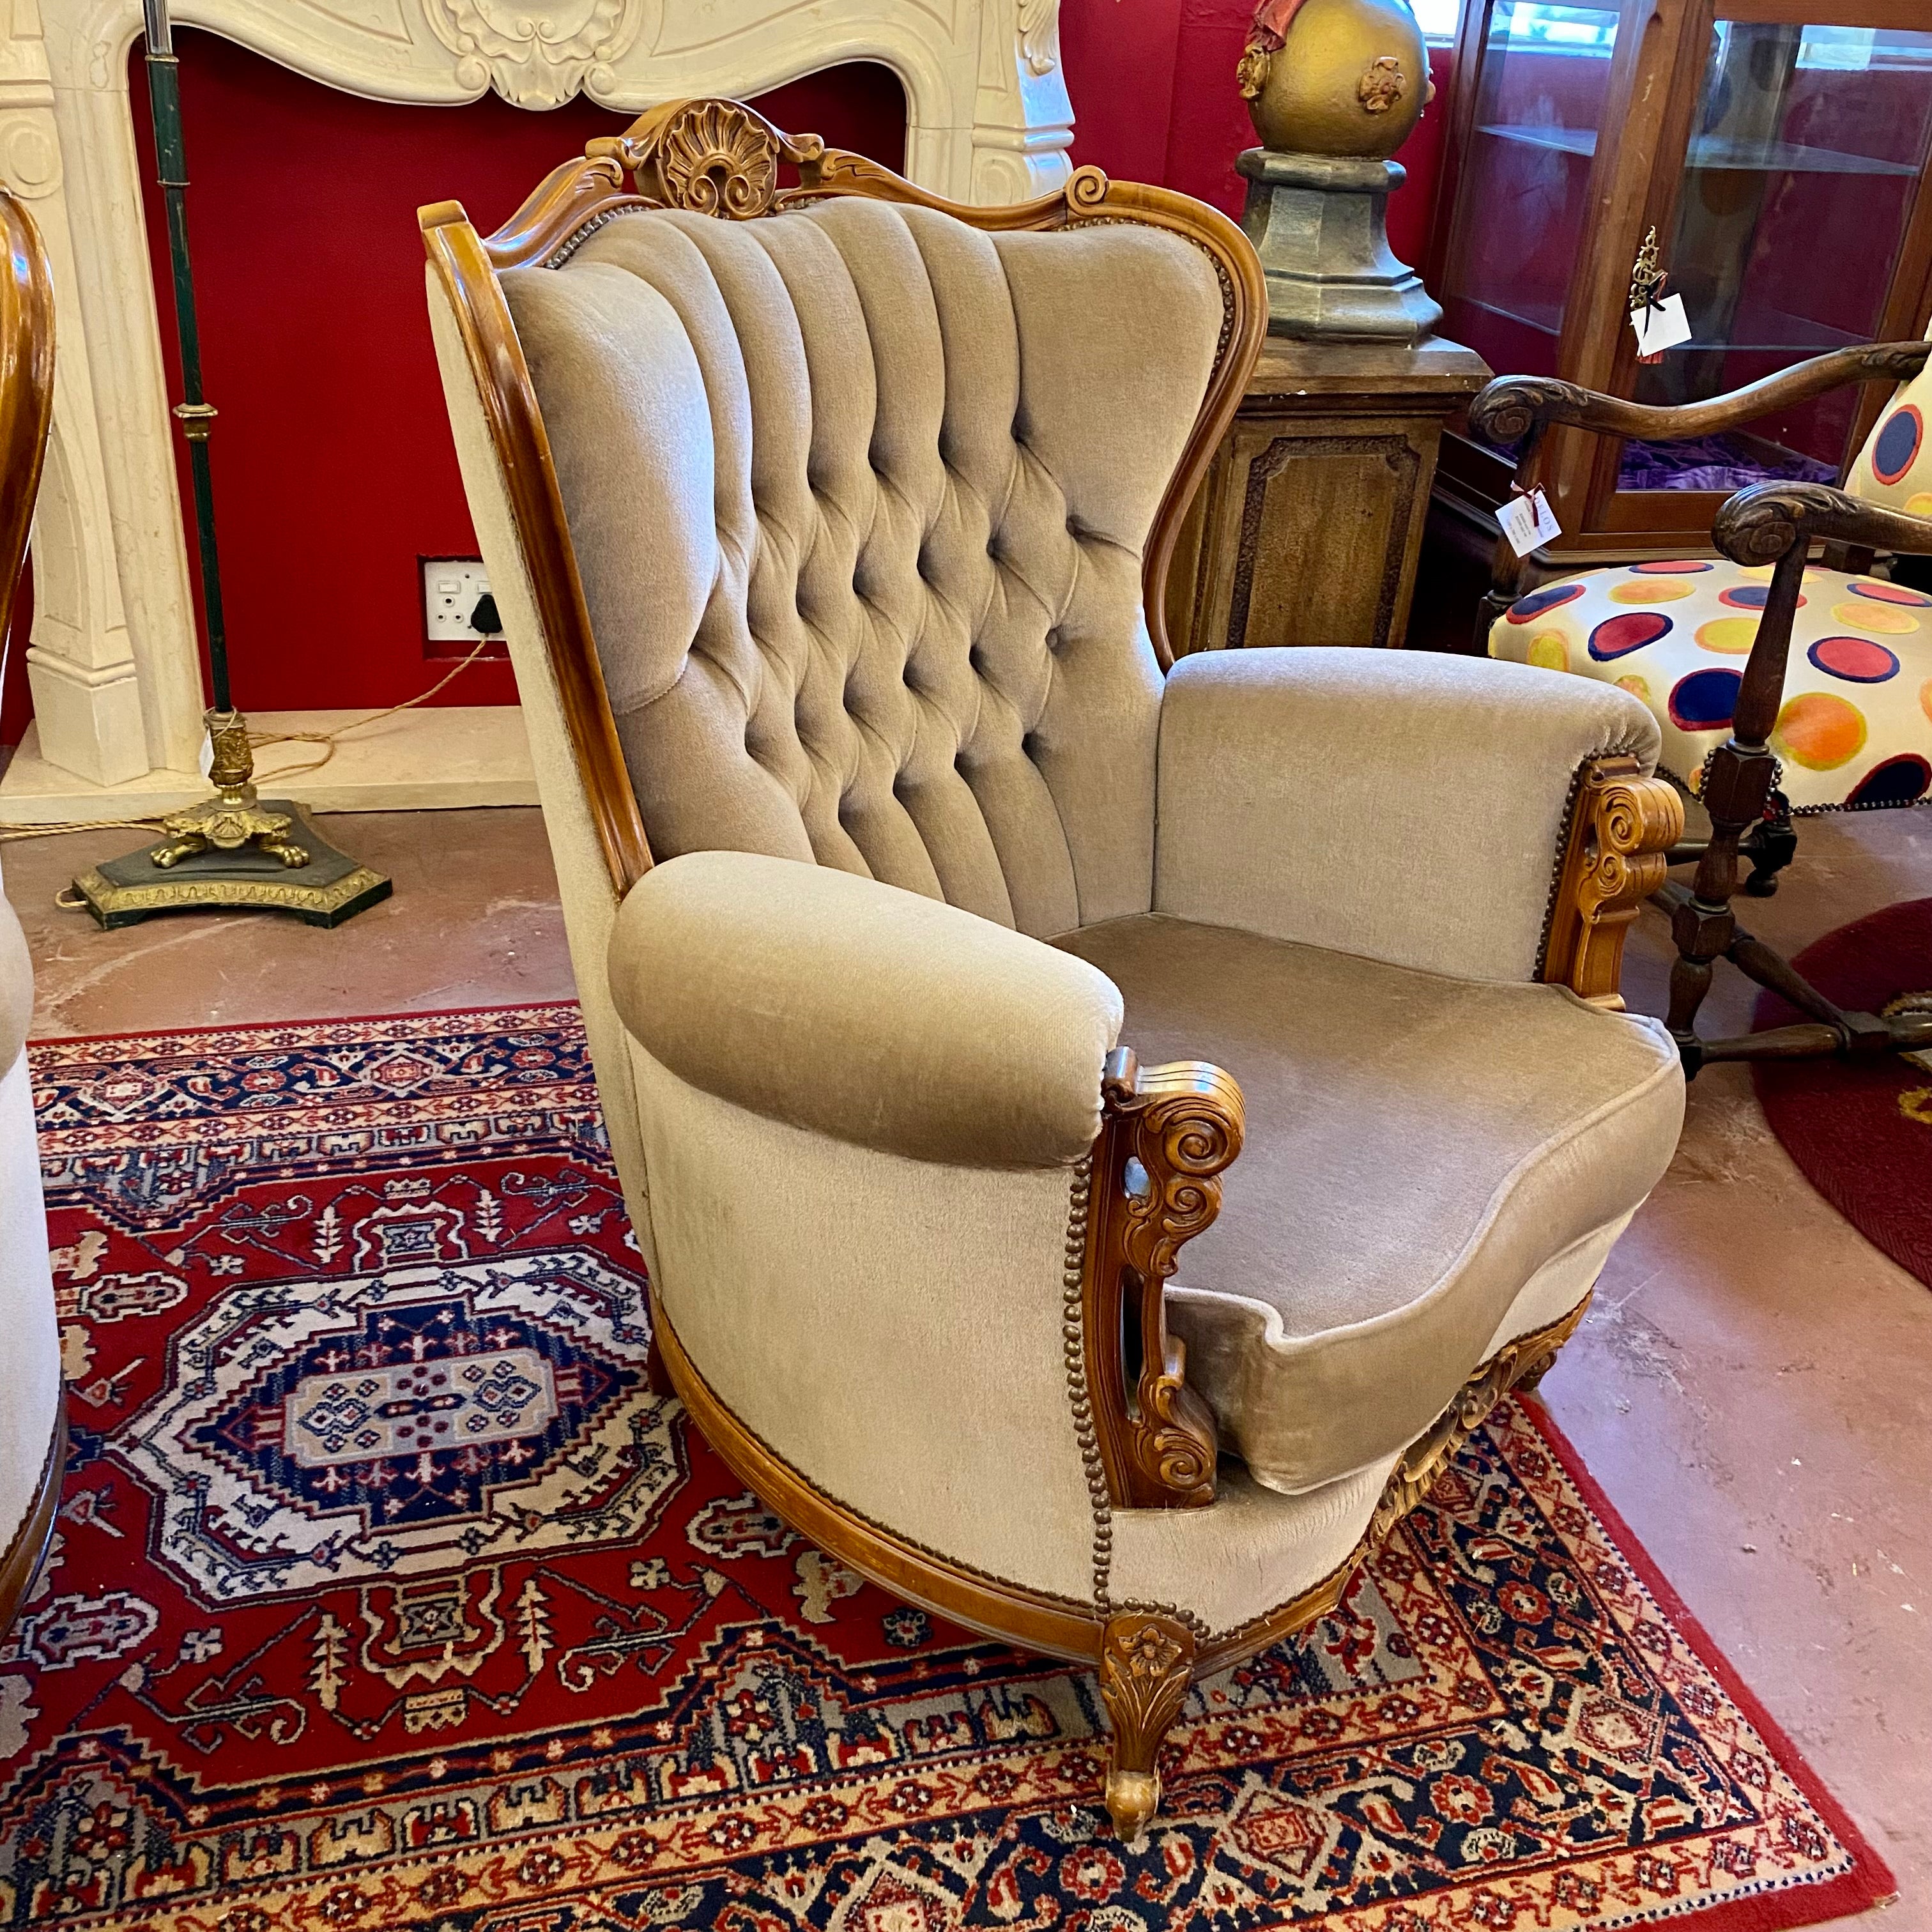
column 232, row 849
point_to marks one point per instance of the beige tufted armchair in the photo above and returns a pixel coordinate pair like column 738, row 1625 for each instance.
column 830, row 537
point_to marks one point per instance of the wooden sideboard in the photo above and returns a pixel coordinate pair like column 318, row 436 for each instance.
column 1307, row 529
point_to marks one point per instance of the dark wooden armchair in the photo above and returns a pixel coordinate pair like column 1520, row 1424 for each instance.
column 1831, row 709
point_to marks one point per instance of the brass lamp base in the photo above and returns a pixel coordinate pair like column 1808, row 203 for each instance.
column 326, row 888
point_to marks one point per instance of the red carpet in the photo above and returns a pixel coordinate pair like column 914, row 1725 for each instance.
column 1862, row 1135
column 386, row 1596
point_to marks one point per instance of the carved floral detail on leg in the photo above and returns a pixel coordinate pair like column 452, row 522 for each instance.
column 1147, row 1662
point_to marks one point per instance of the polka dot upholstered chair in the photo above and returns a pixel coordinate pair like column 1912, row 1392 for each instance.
column 1782, row 686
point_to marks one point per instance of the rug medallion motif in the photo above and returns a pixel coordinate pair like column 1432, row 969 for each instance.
column 385, row 1595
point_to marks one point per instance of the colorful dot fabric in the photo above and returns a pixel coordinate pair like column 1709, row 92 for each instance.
column 1856, row 725
column 1894, row 468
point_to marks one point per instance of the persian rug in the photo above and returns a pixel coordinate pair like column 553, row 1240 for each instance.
column 1861, row 1133
column 387, row 1596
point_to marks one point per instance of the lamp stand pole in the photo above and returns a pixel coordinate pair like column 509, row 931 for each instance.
column 235, row 849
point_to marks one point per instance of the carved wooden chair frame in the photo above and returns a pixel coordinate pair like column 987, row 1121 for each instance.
column 26, row 410
column 1153, row 1179
column 1774, row 524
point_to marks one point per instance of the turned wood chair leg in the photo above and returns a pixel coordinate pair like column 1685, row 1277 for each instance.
column 1737, row 782
column 1147, row 1662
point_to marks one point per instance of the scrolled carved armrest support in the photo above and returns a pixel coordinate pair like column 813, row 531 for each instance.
column 1621, row 826
column 1168, row 1135
column 1762, row 524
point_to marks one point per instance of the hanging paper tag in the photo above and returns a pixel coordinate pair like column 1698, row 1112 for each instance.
column 1661, row 325
column 1527, row 521
column 204, row 759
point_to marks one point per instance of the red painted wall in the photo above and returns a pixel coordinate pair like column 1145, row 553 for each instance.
column 334, row 469
column 333, row 466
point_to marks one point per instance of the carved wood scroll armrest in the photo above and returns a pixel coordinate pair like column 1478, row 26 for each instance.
column 1166, row 1136
column 1621, row 825
column 1513, row 407
column 1760, row 524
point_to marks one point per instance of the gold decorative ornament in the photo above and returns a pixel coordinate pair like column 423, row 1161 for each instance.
column 1347, row 77
column 233, row 817
column 1380, row 86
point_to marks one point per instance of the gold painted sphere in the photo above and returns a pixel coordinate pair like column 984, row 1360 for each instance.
column 1350, row 79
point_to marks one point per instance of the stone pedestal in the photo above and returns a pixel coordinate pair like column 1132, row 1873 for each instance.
column 1317, row 222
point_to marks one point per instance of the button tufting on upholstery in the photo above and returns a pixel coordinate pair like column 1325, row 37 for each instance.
column 1053, row 642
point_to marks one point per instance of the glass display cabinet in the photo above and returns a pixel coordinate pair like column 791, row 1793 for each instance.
column 1778, row 149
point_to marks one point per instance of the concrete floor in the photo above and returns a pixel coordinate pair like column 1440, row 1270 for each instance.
column 1753, row 1388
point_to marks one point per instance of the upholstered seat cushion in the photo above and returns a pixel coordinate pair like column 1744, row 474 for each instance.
column 1855, row 726
column 1418, row 1149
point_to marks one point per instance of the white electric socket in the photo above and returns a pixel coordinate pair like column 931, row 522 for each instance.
column 451, row 587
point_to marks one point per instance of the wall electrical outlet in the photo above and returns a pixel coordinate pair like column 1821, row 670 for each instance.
column 452, row 588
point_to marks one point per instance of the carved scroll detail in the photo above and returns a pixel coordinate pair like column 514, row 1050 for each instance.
column 1524, row 1361
column 1168, row 1135
column 1147, row 1662
column 1621, row 825
column 717, row 158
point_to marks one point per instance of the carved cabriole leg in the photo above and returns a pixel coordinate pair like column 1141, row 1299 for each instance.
column 1621, row 825
column 1147, row 1662
column 1167, row 1134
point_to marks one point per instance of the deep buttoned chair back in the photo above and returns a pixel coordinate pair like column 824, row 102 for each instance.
column 860, row 496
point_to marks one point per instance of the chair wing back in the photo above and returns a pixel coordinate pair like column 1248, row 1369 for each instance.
column 859, row 495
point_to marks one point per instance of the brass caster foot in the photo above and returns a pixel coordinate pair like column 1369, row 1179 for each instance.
column 1132, row 1798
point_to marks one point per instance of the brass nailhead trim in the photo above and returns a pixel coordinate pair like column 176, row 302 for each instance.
column 1073, row 1348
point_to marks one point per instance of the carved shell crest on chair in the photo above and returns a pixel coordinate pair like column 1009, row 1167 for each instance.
column 714, row 157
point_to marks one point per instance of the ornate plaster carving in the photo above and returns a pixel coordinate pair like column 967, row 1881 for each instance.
column 539, row 57
column 1040, row 34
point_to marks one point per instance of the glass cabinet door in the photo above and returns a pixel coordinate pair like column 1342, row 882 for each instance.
column 1806, row 147
column 1522, row 204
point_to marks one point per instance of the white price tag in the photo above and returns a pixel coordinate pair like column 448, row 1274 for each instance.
column 1661, row 326
column 1528, row 521
column 204, row 759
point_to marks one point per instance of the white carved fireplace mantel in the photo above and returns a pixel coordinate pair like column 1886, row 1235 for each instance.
column 113, row 663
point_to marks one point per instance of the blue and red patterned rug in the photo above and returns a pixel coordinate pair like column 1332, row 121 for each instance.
column 385, row 1595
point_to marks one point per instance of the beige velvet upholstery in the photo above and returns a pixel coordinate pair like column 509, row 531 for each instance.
column 859, row 497
column 856, row 1010
column 31, row 1404
column 1369, row 801
column 1418, row 1146
column 866, row 584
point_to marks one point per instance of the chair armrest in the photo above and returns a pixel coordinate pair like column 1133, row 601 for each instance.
column 1411, row 808
column 1760, row 523
column 1514, row 408
column 854, row 1010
